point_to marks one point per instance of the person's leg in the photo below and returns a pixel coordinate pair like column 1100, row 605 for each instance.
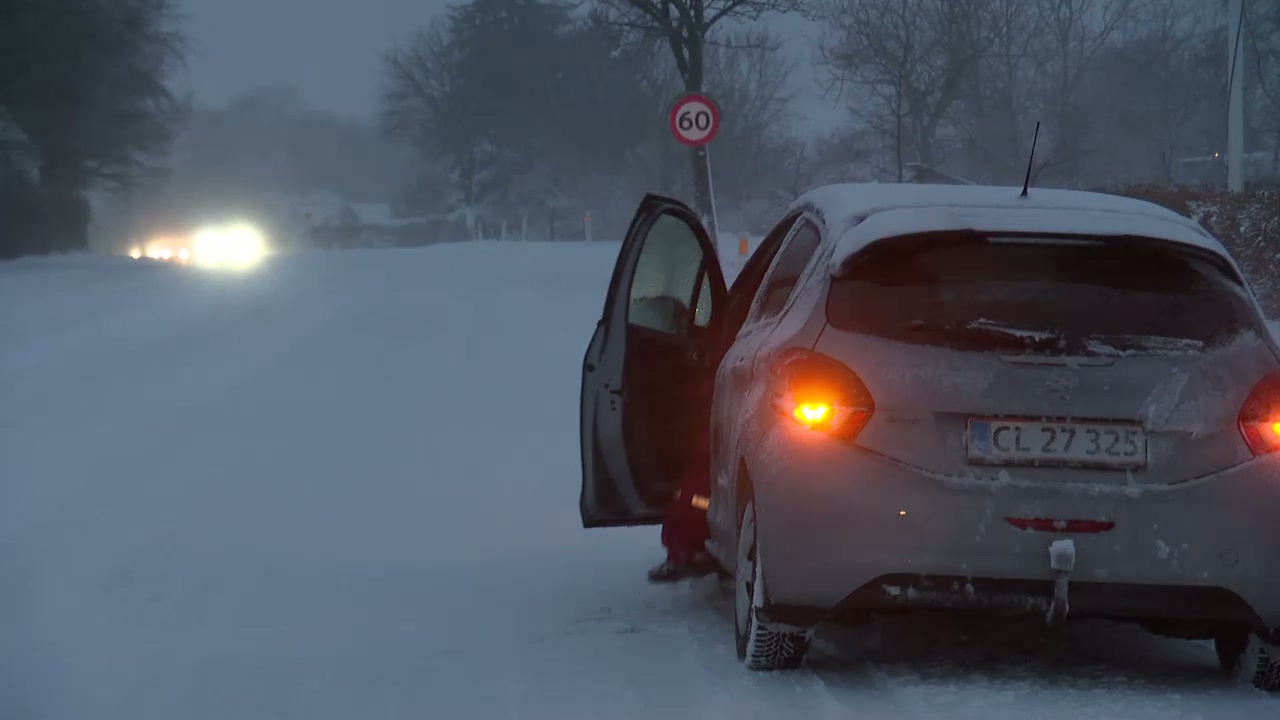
column 684, row 528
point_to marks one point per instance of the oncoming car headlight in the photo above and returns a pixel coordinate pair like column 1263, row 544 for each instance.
column 238, row 246
column 160, row 247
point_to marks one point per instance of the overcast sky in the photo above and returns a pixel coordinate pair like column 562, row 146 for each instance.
column 330, row 49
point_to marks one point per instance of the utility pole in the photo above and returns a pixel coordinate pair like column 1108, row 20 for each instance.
column 1235, row 95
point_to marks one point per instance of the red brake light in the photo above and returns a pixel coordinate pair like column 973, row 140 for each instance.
column 820, row 394
column 1260, row 417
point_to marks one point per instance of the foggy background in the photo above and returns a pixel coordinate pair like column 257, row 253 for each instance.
column 339, row 123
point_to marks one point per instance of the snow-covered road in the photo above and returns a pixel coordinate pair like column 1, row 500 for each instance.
column 345, row 486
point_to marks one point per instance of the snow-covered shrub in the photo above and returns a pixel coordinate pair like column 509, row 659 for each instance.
column 1248, row 223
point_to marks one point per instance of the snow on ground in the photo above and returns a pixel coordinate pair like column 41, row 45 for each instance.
column 346, row 486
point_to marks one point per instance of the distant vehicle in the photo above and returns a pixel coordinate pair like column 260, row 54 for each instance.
column 169, row 246
column 926, row 396
column 231, row 245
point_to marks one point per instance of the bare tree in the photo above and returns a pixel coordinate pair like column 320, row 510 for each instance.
column 999, row 105
column 1075, row 32
column 752, row 84
column 840, row 155
column 911, row 60
column 1263, row 30
column 752, row 78
column 685, row 27
column 424, row 103
column 1150, row 89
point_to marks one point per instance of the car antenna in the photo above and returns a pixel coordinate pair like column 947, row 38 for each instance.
column 1026, row 183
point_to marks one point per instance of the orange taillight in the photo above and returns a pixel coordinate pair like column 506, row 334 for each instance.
column 1260, row 417
column 820, row 393
column 812, row 414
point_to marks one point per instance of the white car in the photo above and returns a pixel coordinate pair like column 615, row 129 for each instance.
column 951, row 396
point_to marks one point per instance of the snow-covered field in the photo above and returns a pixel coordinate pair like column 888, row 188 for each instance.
column 345, row 486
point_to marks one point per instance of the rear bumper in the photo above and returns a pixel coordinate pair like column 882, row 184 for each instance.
column 842, row 529
column 1186, row 608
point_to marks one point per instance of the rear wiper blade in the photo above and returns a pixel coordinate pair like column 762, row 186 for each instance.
column 1032, row 339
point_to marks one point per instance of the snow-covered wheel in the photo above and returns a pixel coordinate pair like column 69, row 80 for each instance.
column 1250, row 659
column 759, row 647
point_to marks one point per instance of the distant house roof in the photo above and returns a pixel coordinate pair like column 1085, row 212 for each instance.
column 315, row 206
column 330, row 208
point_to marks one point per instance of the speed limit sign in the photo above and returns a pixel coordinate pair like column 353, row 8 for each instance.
column 695, row 120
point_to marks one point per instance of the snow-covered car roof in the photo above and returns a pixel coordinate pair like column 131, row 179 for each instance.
column 861, row 214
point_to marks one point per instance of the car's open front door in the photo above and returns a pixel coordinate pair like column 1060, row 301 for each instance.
column 647, row 374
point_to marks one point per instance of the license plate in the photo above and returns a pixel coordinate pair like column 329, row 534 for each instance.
column 997, row 441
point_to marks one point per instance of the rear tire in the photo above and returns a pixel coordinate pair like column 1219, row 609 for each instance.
column 1249, row 659
column 759, row 648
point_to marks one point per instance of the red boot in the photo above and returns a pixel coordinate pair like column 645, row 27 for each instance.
column 684, row 527
column 679, row 567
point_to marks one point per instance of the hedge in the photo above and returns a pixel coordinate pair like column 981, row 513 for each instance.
column 1248, row 223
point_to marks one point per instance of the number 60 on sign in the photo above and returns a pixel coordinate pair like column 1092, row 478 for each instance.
column 695, row 120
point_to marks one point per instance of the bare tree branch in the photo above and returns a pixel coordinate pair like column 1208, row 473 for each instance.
column 687, row 27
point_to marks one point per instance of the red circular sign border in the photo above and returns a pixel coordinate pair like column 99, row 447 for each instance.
column 673, row 117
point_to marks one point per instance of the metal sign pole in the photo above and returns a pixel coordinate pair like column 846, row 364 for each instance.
column 711, row 191
column 695, row 121
column 1235, row 96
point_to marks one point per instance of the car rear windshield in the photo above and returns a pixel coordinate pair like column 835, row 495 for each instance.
column 1041, row 295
